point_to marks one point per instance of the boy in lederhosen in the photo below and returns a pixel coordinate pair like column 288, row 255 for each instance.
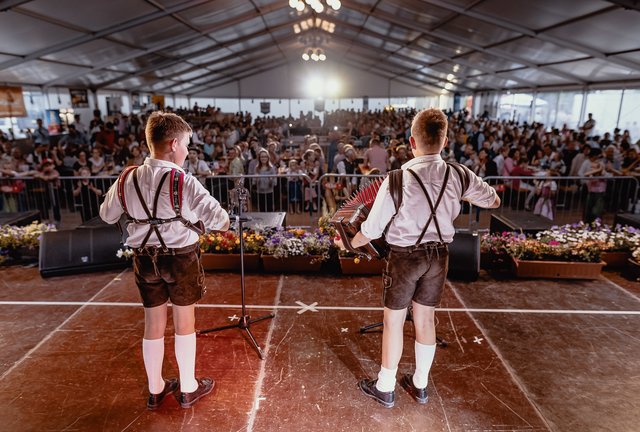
column 167, row 210
column 418, row 235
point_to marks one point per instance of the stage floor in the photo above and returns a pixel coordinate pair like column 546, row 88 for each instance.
column 522, row 356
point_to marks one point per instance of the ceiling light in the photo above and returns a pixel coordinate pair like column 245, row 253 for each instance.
column 322, row 57
column 448, row 86
column 300, row 7
column 305, row 56
column 293, row 4
column 450, row 77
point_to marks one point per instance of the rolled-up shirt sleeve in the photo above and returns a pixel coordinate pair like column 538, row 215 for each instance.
column 205, row 207
column 479, row 192
column 381, row 213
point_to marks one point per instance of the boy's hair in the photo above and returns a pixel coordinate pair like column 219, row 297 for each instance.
column 162, row 127
column 429, row 127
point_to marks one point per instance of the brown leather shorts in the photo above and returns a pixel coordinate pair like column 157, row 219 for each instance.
column 415, row 275
column 179, row 276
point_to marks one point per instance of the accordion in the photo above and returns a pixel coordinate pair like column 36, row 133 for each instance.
column 350, row 216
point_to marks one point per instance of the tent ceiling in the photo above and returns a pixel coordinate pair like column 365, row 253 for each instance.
column 186, row 46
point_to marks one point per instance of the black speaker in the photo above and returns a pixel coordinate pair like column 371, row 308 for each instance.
column 464, row 256
column 80, row 250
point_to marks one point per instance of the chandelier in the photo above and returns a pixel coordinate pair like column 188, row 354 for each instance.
column 316, row 5
column 315, row 54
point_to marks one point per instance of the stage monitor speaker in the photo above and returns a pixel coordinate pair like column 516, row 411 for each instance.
column 464, row 256
column 79, row 251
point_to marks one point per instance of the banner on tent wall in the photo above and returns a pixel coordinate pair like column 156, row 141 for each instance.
column 158, row 101
column 318, row 105
column 114, row 105
column 365, row 103
column 53, row 121
column 79, row 98
column 265, row 107
column 12, row 102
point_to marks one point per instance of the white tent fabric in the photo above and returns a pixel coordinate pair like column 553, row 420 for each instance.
column 194, row 47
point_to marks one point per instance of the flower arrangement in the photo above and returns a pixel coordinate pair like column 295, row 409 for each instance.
column 126, row 253
column 283, row 243
column 536, row 249
column 14, row 237
column 28, row 237
column 636, row 255
column 497, row 243
column 229, row 242
column 617, row 239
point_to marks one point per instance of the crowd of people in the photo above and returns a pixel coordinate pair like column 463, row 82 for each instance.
column 357, row 143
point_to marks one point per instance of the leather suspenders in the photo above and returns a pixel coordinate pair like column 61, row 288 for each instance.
column 175, row 195
column 433, row 207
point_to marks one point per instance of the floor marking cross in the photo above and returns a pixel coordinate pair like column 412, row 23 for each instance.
column 234, row 318
column 305, row 307
column 478, row 340
column 344, row 330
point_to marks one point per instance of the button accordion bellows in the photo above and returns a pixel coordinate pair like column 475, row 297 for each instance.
column 350, row 216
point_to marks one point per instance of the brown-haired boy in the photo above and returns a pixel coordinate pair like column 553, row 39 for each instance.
column 164, row 236
column 418, row 235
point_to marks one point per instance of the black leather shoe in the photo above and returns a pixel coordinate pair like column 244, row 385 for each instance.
column 205, row 386
column 170, row 386
column 418, row 394
column 368, row 387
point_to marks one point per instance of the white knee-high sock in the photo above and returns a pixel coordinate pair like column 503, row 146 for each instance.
column 386, row 379
column 424, row 359
column 153, row 355
column 186, row 358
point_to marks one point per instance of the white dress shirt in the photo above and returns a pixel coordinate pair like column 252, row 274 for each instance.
column 197, row 204
column 414, row 211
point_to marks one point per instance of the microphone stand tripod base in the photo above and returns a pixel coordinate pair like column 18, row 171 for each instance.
column 245, row 321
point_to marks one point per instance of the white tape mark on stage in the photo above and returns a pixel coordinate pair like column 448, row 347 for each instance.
column 62, row 324
column 301, row 307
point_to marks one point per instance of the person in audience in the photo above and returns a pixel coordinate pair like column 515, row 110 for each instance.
column 294, row 186
column 546, row 190
column 312, row 170
column 196, row 166
column 87, row 195
column 596, row 188
column 136, row 158
column 98, row 164
column 376, row 157
column 265, row 186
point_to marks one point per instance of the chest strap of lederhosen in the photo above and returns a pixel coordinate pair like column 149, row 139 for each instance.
column 433, row 207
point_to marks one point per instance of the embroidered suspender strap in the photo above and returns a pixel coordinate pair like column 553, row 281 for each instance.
column 433, row 207
column 121, row 181
column 176, row 186
column 175, row 191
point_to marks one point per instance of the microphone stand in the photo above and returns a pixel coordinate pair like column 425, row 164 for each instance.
column 239, row 199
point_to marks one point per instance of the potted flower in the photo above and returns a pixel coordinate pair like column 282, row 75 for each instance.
column 634, row 264
column 616, row 244
column 619, row 244
column 351, row 263
column 295, row 250
column 22, row 242
column 494, row 252
column 221, row 250
column 563, row 257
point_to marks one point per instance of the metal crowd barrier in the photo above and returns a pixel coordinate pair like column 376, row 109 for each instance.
column 568, row 201
column 74, row 200
column 71, row 201
column 563, row 200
